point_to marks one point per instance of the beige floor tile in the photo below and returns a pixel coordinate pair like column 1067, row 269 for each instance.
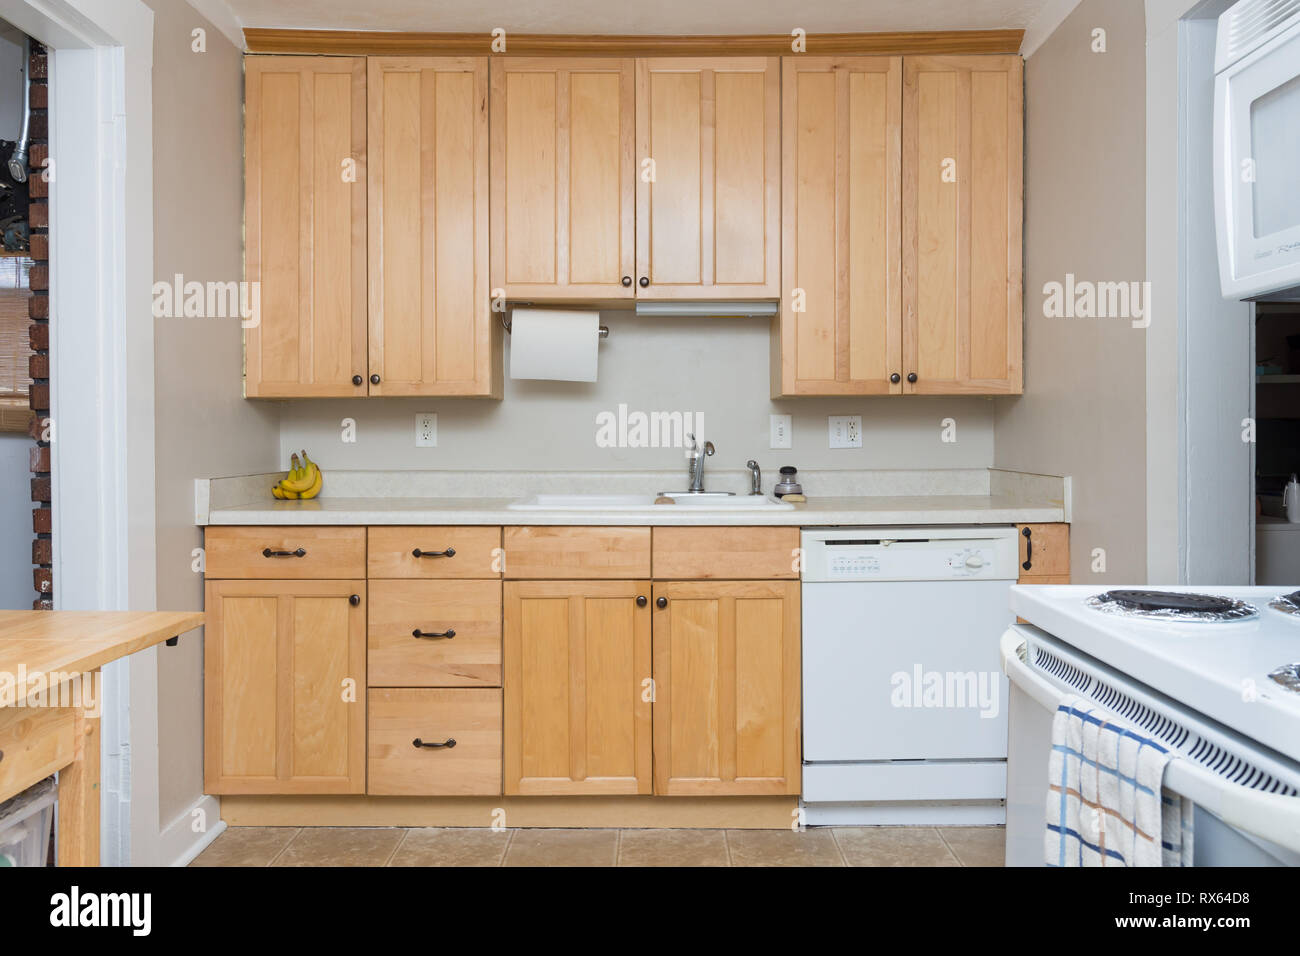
column 893, row 846
column 814, row 847
column 246, row 846
column 341, row 846
column 436, row 846
column 563, row 848
column 977, row 846
column 673, row 848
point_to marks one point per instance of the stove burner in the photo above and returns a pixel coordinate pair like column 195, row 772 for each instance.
column 1171, row 605
column 1288, row 676
column 1286, row 603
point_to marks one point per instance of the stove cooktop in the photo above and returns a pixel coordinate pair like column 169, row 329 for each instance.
column 1180, row 606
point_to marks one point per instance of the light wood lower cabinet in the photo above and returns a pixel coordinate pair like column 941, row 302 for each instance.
column 435, row 634
column 284, row 687
column 425, row 742
column 577, row 700
column 727, row 685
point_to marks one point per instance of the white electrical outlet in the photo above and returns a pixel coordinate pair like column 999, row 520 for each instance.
column 782, row 428
column 426, row 429
column 845, row 431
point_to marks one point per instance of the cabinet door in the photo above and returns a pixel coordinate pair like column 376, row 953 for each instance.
column 305, row 225
column 284, row 687
column 962, row 199
column 577, row 705
column 709, row 178
column 841, row 308
column 562, row 193
column 727, row 685
column 431, row 325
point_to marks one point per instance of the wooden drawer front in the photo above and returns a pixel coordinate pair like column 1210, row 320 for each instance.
column 325, row 552
column 1046, row 550
column 577, row 553
column 34, row 743
column 470, row 716
column 725, row 553
column 470, row 658
column 393, row 552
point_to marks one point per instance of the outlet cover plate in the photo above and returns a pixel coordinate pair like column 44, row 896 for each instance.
column 781, row 428
column 426, row 429
column 845, row 431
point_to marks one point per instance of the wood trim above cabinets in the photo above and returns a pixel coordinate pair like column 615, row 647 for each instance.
column 367, row 42
column 709, row 224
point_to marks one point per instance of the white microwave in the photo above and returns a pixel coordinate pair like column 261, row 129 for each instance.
column 1257, row 149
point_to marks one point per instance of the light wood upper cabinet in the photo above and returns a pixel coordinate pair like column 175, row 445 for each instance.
column 727, row 685
column 305, row 228
column 276, row 658
column 562, row 178
column 840, row 331
column 708, row 225
column 962, row 204
column 431, row 326
column 577, row 716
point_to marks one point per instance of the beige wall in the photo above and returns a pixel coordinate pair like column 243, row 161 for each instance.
column 1083, row 412
column 203, row 426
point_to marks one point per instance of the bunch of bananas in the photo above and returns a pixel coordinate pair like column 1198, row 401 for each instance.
column 303, row 480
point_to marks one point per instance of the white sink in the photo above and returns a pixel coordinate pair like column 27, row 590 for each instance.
column 623, row 503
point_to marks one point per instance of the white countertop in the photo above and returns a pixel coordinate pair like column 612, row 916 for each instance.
column 855, row 510
column 899, row 497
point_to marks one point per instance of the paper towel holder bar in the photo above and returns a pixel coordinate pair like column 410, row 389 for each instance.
column 505, row 320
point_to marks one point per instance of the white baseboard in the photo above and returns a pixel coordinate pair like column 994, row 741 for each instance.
column 180, row 844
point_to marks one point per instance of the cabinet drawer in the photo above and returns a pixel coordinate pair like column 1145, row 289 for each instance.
column 285, row 552
column 469, row 657
column 576, row 553
column 1044, row 550
column 34, row 743
column 473, row 552
column 469, row 716
column 725, row 553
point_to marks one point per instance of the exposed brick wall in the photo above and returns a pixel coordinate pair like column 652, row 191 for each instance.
column 39, row 311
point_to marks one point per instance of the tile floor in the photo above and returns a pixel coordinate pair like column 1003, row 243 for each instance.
column 837, row 846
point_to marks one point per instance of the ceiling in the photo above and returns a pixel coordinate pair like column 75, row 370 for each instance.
column 637, row 17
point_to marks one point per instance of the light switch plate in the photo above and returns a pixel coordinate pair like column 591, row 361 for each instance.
column 426, row 429
column 845, row 431
column 782, row 428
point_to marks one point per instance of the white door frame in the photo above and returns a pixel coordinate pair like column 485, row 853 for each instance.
column 102, row 368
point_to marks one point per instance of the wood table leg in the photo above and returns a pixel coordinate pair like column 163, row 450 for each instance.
column 79, row 786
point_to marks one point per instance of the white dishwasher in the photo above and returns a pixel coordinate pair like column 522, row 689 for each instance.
column 904, row 700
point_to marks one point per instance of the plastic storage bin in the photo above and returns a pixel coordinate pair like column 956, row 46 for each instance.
column 25, row 824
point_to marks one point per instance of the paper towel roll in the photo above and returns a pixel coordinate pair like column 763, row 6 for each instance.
column 554, row 344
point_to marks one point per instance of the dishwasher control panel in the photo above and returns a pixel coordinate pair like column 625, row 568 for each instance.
column 910, row 554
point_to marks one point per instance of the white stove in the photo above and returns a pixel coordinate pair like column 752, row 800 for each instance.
column 1210, row 670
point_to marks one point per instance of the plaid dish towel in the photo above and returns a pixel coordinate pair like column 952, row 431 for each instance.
column 1105, row 802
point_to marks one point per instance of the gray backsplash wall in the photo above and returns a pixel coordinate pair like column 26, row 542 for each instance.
column 715, row 367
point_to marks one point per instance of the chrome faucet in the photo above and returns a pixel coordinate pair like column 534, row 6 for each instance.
column 695, row 455
column 755, row 478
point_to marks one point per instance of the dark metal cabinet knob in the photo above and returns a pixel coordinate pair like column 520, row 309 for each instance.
column 643, row 281
column 911, row 377
column 661, row 602
column 357, row 380
column 895, row 378
column 627, row 281
column 640, row 600
column 374, row 379
column 354, row 600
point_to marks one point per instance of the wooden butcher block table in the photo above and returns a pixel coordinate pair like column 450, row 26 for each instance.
column 49, row 705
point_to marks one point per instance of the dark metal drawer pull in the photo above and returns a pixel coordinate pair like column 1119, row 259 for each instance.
column 1029, row 549
column 300, row 553
column 449, row 553
column 449, row 633
column 449, row 742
